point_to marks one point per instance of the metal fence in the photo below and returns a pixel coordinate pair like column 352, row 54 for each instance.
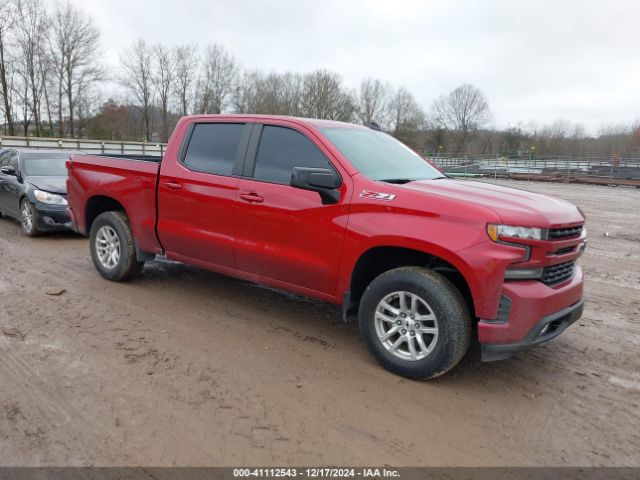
column 611, row 170
column 88, row 146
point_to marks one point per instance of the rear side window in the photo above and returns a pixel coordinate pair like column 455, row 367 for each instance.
column 213, row 147
column 280, row 150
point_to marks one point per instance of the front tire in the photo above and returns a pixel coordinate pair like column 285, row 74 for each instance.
column 29, row 218
column 415, row 322
column 112, row 247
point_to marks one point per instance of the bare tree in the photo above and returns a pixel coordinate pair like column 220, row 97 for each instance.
column 137, row 66
column 75, row 49
column 324, row 97
column 31, row 34
column 220, row 70
column 465, row 110
column 278, row 94
column 48, row 83
column 373, row 98
column 186, row 72
column 7, row 23
column 406, row 119
column 404, row 111
column 163, row 78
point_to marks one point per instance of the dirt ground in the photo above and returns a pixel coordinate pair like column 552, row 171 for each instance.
column 186, row 367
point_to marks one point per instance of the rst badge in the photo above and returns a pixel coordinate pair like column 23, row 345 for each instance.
column 385, row 197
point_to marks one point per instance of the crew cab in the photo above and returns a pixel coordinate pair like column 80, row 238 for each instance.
column 349, row 215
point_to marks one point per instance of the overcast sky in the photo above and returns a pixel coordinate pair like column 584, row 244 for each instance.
column 535, row 60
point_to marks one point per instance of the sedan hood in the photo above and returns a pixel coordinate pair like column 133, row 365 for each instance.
column 49, row 184
column 514, row 206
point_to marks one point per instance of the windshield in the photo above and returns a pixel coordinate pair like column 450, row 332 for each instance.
column 45, row 164
column 379, row 156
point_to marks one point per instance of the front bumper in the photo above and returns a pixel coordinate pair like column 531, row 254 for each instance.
column 52, row 217
column 530, row 306
column 546, row 329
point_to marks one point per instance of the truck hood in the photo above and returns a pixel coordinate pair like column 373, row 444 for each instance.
column 49, row 184
column 514, row 206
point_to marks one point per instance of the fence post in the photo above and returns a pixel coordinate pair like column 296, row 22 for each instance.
column 122, row 148
column 611, row 171
column 568, row 170
column 102, row 144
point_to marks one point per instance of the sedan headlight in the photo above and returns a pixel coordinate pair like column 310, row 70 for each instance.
column 497, row 232
column 49, row 198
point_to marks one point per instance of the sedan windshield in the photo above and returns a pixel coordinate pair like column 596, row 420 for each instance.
column 45, row 164
column 379, row 156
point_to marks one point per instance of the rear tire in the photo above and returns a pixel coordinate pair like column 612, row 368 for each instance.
column 29, row 218
column 405, row 303
column 113, row 248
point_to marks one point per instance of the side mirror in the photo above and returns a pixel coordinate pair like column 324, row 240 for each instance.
column 322, row 180
column 9, row 171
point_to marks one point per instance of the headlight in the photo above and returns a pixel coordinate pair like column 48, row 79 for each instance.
column 496, row 232
column 49, row 198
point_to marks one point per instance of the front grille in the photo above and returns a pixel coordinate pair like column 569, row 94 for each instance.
column 557, row 273
column 562, row 233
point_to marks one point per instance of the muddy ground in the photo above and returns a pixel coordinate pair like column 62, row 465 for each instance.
column 186, row 367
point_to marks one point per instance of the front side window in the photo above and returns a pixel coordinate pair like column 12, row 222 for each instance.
column 280, row 150
column 213, row 147
column 379, row 156
column 13, row 161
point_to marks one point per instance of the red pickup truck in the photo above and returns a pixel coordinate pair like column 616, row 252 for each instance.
column 346, row 214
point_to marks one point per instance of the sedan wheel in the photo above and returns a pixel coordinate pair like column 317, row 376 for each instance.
column 28, row 219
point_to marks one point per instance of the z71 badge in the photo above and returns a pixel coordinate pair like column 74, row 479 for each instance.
column 385, row 197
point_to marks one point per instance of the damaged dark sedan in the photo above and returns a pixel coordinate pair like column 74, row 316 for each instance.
column 33, row 189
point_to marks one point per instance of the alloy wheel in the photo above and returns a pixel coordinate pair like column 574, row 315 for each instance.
column 107, row 246
column 406, row 325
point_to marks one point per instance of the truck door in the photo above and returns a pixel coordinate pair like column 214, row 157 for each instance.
column 197, row 195
column 283, row 233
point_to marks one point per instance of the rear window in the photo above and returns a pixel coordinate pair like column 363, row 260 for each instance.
column 213, row 147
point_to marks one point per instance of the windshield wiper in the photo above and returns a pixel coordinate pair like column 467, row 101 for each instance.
column 399, row 181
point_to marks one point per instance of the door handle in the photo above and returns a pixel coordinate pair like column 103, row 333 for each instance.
column 173, row 185
column 252, row 197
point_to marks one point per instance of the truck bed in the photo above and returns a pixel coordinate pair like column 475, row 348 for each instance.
column 142, row 158
column 129, row 179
